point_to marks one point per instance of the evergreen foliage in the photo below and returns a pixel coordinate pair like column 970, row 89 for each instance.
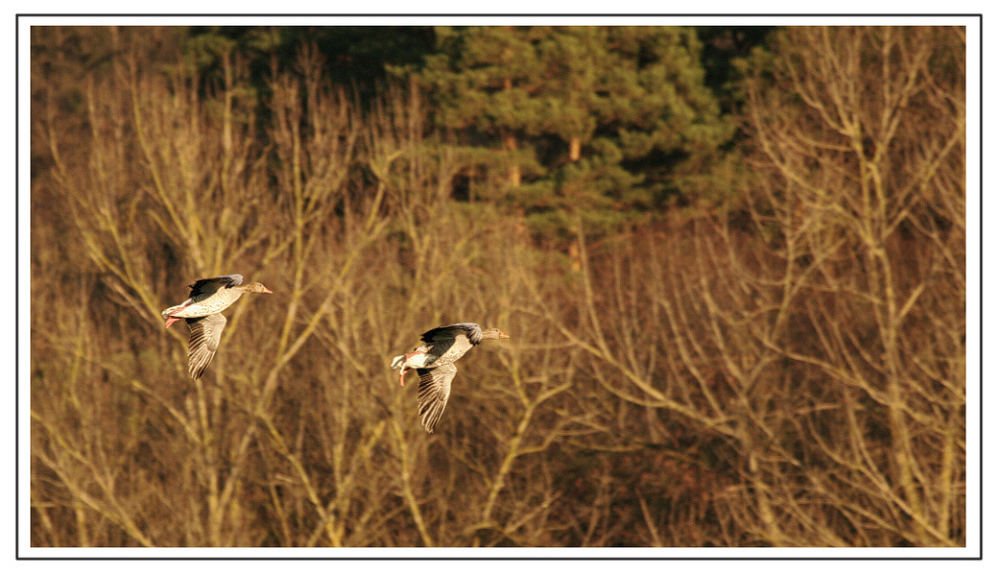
column 600, row 123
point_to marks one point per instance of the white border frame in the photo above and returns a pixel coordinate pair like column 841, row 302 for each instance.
column 973, row 278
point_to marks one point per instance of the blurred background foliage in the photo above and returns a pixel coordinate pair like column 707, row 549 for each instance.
column 731, row 261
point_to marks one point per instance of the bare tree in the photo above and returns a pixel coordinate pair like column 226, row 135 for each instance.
column 787, row 370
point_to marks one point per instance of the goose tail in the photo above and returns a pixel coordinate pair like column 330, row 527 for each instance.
column 397, row 361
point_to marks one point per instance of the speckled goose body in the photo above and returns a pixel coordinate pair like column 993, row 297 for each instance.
column 215, row 303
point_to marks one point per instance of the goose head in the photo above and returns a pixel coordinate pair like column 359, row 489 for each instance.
column 256, row 287
column 494, row 333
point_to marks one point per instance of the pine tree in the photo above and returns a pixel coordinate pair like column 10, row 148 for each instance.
column 604, row 123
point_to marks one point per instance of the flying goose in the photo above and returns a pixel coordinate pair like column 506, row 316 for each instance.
column 434, row 361
column 203, row 313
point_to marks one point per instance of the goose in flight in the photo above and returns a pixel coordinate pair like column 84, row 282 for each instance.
column 203, row 313
column 434, row 361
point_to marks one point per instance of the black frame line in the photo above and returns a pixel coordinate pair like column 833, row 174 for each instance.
column 17, row 290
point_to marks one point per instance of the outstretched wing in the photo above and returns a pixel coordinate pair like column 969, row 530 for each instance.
column 451, row 342
column 203, row 288
column 470, row 330
column 432, row 396
column 203, row 342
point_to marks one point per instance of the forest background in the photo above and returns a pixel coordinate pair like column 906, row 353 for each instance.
column 731, row 260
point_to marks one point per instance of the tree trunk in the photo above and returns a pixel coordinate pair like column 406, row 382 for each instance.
column 514, row 173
